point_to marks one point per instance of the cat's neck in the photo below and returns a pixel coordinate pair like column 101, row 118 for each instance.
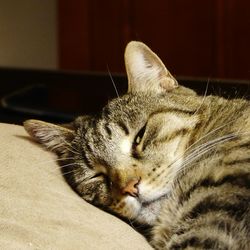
column 221, row 118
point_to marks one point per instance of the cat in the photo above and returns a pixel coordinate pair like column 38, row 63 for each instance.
column 162, row 157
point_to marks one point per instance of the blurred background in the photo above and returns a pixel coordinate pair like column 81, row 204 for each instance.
column 194, row 38
column 64, row 43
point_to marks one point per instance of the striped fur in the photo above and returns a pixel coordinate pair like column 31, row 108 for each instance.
column 189, row 155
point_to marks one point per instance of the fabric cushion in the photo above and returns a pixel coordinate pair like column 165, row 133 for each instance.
column 38, row 210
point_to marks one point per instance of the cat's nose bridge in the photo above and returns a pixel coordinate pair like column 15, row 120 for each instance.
column 131, row 187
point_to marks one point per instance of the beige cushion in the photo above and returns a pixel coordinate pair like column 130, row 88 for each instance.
column 38, row 210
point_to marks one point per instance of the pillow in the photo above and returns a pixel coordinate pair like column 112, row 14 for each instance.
column 38, row 210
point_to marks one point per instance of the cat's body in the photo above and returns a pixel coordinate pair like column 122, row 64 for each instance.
column 164, row 157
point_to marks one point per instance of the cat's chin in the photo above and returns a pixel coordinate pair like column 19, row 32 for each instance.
column 146, row 207
column 150, row 210
column 145, row 212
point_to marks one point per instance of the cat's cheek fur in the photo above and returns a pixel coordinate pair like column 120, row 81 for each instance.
column 151, row 192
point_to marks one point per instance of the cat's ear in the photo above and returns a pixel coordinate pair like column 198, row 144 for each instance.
column 146, row 71
column 55, row 138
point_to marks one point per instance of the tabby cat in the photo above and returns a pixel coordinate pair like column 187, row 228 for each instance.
column 163, row 157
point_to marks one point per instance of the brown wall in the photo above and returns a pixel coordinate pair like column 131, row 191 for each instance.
column 28, row 34
column 193, row 38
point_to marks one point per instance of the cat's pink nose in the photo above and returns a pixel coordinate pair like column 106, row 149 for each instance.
column 132, row 187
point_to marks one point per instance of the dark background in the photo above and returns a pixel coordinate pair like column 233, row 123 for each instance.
column 193, row 38
column 199, row 42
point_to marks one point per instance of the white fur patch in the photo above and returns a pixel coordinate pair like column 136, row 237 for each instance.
column 133, row 206
column 149, row 193
column 125, row 145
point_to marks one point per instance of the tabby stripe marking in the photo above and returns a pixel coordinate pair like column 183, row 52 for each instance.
column 223, row 224
column 153, row 133
column 195, row 132
column 240, row 180
column 172, row 110
column 194, row 241
column 241, row 161
column 89, row 148
column 86, row 160
column 208, row 204
column 106, row 112
column 242, row 146
column 182, row 131
column 108, row 130
column 149, row 138
column 124, row 127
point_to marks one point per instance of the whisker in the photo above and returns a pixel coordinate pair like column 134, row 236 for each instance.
column 63, row 143
column 206, row 147
column 204, row 97
column 200, row 151
column 211, row 132
column 212, row 142
column 112, row 80
column 70, row 147
column 55, row 160
column 69, row 172
column 64, row 166
column 83, row 179
column 200, row 139
column 131, row 223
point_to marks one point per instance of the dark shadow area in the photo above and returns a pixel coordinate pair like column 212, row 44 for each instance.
column 59, row 96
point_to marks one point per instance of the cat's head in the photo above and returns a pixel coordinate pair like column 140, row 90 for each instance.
column 126, row 158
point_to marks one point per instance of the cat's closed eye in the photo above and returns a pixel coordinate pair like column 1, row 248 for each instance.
column 97, row 175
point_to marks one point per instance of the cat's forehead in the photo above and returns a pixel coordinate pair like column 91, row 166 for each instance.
column 129, row 107
column 127, row 101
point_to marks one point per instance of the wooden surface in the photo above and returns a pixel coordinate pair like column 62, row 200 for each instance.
column 193, row 38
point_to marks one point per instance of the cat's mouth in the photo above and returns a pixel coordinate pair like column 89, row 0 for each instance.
column 146, row 198
column 153, row 201
column 152, row 205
